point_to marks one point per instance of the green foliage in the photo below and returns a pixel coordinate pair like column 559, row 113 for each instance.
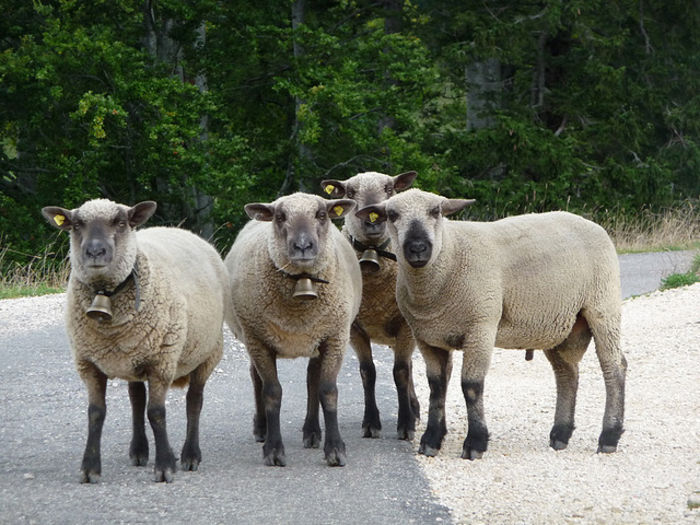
column 223, row 103
column 676, row 280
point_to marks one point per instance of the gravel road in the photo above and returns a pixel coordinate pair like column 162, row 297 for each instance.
column 520, row 479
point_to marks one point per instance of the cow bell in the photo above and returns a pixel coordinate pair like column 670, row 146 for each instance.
column 304, row 289
column 100, row 309
column 369, row 262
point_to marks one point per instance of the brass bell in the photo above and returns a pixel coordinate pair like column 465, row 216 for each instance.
column 369, row 262
column 304, row 289
column 100, row 309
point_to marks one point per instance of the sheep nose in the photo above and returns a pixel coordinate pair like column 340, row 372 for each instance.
column 95, row 249
column 417, row 247
column 303, row 245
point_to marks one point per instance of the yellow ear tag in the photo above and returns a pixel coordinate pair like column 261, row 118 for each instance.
column 329, row 189
column 338, row 210
column 59, row 219
column 373, row 216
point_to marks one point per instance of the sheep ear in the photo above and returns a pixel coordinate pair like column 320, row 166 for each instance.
column 373, row 213
column 260, row 212
column 58, row 217
column 340, row 208
column 334, row 188
column 450, row 206
column 404, row 180
column 141, row 212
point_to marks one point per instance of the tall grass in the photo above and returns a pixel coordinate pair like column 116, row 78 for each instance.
column 42, row 274
column 671, row 229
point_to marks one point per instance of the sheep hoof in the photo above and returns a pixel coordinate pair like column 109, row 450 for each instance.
column 405, row 434
column 371, row 432
column 336, row 458
column 558, row 445
column 190, row 464
column 275, row 459
column 139, row 460
column 607, row 449
column 313, row 440
column 160, row 475
column 427, row 450
column 89, row 477
column 472, row 454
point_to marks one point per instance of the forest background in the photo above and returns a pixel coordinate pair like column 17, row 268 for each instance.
column 203, row 106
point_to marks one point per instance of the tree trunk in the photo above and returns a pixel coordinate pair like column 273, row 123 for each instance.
column 196, row 205
column 484, row 85
column 392, row 24
column 301, row 155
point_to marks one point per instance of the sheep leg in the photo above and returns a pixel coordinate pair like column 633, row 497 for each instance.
column 438, row 366
column 403, row 379
column 191, row 455
column 564, row 359
column 614, row 366
column 475, row 364
column 331, row 355
column 138, row 449
column 96, row 383
column 360, row 341
column 165, row 459
column 265, row 362
column 259, row 419
column 312, row 426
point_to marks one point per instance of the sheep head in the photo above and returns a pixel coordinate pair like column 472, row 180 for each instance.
column 367, row 189
column 300, row 224
column 415, row 219
column 102, row 249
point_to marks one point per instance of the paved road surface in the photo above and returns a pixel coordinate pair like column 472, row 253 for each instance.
column 43, row 430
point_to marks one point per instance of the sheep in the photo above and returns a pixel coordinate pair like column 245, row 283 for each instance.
column 539, row 281
column 288, row 243
column 379, row 319
column 168, row 290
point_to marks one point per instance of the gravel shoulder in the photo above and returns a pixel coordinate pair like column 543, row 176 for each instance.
column 521, row 480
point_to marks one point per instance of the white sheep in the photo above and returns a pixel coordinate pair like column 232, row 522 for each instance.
column 292, row 241
column 379, row 319
column 540, row 281
column 141, row 306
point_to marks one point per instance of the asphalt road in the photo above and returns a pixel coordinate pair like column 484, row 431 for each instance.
column 43, row 431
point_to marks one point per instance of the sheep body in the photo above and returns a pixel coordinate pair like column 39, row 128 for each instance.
column 379, row 319
column 262, row 263
column 541, row 281
column 166, row 325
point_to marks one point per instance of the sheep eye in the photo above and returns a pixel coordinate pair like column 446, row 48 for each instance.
column 77, row 225
column 389, row 189
column 280, row 218
column 392, row 216
column 350, row 194
column 321, row 215
column 435, row 212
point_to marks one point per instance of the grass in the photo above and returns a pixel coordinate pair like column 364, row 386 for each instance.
column 43, row 274
column 676, row 280
column 673, row 229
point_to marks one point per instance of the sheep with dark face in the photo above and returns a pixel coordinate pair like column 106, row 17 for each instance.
column 141, row 306
column 379, row 319
column 547, row 281
column 292, row 242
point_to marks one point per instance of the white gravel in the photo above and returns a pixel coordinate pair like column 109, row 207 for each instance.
column 651, row 478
